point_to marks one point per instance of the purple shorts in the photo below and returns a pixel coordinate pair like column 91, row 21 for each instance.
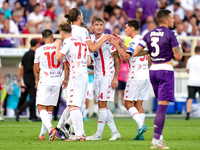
column 163, row 84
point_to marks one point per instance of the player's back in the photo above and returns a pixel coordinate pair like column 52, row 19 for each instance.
column 77, row 54
column 138, row 66
column 80, row 33
column 160, row 42
column 50, row 68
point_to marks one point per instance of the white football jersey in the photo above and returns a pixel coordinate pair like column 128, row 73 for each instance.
column 76, row 53
column 50, row 68
column 103, row 60
column 138, row 66
column 80, row 33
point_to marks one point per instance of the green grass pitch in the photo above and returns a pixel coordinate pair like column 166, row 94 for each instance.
column 178, row 133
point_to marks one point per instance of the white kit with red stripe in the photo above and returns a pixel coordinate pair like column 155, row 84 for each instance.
column 138, row 66
column 80, row 33
column 76, row 52
column 50, row 68
column 104, row 62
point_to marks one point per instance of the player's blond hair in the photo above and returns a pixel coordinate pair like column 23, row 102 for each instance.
column 97, row 19
column 66, row 27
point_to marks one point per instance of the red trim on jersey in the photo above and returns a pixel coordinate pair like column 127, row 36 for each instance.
column 102, row 61
column 134, row 114
column 62, row 53
column 76, row 108
column 100, row 121
column 68, row 63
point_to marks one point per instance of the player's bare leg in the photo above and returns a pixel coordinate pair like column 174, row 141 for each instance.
column 188, row 107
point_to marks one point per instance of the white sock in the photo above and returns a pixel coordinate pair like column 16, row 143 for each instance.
column 43, row 130
column 161, row 137
column 85, row 113
column 50, row 115
column 103, row 115
column 96, row 108
column 46, row 119
column 155, row 141
column 142, row 115
column 69, row 121
column 63, row 118
column 133, row 112
column 77, row 118
column 110, row 121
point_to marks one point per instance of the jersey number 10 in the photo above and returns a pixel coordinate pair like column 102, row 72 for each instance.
column 50, row 58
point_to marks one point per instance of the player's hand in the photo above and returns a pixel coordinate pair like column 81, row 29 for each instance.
column 64, row 84
column 112, row 41
column 36, row 84
column 117, row 38
column 19, row 84
column 106, row 37
column 58, row 42
column 114, row 83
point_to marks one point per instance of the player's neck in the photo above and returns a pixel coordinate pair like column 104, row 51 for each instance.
column 97, row 36
column 134, row 34
column 76, row 23
column 67, row 36
column 163, row 25
column 48, row 42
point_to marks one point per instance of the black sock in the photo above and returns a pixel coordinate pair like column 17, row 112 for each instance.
column 67, row 126
column 116, row 105
column 188, row 114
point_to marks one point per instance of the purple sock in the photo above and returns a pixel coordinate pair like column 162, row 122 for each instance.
column 159, row 121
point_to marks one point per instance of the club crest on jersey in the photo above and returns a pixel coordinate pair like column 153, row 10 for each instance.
column 95, row 54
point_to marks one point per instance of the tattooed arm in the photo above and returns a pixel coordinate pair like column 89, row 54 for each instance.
column 117, row 68
column 178, row 52
column 139, row 51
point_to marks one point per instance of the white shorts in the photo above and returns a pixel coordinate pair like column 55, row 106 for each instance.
column 137, row 90
column 103, row 89
column 47, row 95
column 90, row 92
column 77, row 90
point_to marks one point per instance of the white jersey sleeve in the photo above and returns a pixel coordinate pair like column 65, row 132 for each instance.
column 65, row 47
column 37, row 56
column 111, row 48
column 131, row 47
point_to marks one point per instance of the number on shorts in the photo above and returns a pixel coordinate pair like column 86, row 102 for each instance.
column 51, row 59
column 155, row 40
column 79, row 44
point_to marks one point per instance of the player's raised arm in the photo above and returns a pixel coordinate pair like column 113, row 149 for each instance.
column 58, row 44
column 125, row 56
column 94, row 46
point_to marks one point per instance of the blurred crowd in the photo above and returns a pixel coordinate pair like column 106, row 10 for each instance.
column 33, row 16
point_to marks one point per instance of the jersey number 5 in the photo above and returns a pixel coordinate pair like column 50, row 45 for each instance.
column 79, row 44
column 50, row 58
column 155, row 40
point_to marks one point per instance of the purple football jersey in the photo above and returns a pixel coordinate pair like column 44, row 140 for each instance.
column 160, row 42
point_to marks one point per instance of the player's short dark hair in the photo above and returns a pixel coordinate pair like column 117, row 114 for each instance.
column 73, row 15
column 34, row 42
column 197, row 49
column 97, row 19
column 66, row 27
column 162, row 15
column 47, row 33
column 133, row 23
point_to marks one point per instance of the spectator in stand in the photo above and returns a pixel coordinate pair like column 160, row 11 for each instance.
column 61, row 18
column 71, row 3
column 87, row 12
column 195, row 31
column 150, row 26
column 180, row 30
column 98, row 9
column 17, row 5
column 6, row 10
column 1, row 19
column 176, row 9
column 117, row 11
column 121, row 24
column 148, row 19
column 47, row 24
column 186, row 27
column 147, row 8
column 187, row 5
column 60, row 7
column 50, row 11
column 109, row 26
column 109, row 9
column 7, row 41
column 130, row 8
column 22, row 22
column 163, row 4
column 29, row 7
column 198, row 17
column 36, row 16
